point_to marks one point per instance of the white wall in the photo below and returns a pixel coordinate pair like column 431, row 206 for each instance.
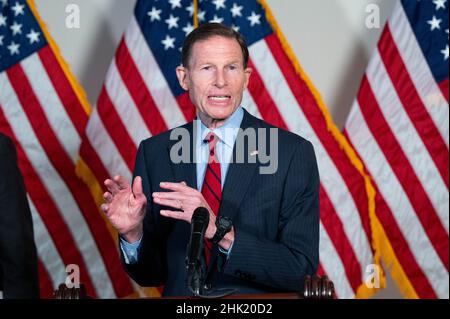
column 329, row 37
column 89, row 49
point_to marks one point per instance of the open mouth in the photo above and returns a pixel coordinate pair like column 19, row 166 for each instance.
column 219, row 98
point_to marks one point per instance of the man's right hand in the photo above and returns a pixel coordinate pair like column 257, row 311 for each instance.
column 125, row 207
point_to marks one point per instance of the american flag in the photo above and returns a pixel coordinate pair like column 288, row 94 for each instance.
column 45, row 112
column 399, row 126
column 141, row 97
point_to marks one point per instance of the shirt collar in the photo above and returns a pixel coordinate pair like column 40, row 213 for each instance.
column 228, row 131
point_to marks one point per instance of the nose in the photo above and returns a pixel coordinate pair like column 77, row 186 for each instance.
column 220, row 80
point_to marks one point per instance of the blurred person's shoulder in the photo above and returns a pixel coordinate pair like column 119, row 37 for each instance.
column 6, row 145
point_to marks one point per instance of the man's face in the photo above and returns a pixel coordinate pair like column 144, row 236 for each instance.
column 215, row 78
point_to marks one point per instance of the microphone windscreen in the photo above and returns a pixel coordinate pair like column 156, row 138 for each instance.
column 200, row 215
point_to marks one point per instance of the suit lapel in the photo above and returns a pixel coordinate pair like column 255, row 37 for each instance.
column 239, row 175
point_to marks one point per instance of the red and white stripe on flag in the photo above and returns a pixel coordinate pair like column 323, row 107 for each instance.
column 137, row 101
column 45, row 112
column 399, row 126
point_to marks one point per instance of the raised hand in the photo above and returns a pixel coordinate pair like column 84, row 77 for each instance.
column 125, row 207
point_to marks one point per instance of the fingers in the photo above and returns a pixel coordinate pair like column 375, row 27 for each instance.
column 169, row 202
column 116, row 184
column 108, row 197
column 172, row 214
column 104, row 208
column 112, row 186
column 175, row 186
column 180, row 192
column 122, row 183
column 138, row 201
column 137, row 187
column 169, row 195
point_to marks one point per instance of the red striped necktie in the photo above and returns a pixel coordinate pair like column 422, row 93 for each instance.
column 212, row 185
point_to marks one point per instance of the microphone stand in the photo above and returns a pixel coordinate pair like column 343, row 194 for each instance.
column 195, row 278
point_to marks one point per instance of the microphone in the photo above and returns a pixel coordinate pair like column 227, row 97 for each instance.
column 195, row 272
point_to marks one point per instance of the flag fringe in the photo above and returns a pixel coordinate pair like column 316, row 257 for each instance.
column 392, row 264
column 362, row 291
column 79, row 91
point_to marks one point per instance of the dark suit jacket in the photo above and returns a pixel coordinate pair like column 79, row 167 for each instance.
column 18, row 260
column 276, row 219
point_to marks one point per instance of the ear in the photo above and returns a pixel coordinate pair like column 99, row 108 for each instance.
column 247, row 74
column 182, row 77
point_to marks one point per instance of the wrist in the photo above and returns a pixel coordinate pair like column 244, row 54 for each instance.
column 222, row 236
column 227, row 240
column 133, row 235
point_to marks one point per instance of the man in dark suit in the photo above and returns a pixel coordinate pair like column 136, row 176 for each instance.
column 18, row 260
column 273, row 210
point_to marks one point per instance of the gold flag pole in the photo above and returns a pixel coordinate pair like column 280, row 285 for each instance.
column 195, row 13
